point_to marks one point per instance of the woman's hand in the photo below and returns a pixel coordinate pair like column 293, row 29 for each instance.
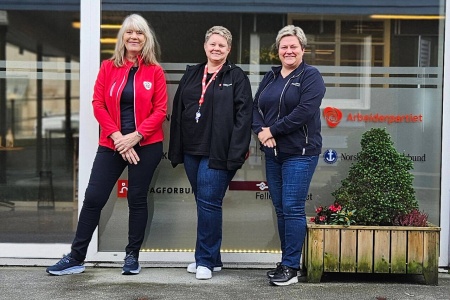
column 124, row 143
column 271, row 143
column 264, row 135
column 131, row 156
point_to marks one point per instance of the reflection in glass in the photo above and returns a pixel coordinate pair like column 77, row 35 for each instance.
column 39, row 97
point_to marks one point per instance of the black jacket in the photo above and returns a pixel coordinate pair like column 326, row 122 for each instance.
column 232, row 118
column 297, row 128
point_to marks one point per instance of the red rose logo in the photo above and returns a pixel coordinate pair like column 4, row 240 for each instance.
column 332, row 115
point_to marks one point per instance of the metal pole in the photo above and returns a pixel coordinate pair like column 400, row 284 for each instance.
column 39, row 104
column 68, row 118
column 3, row 29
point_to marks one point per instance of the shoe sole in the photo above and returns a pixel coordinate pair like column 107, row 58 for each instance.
column 68, row 271
column 271, row 276
column 203, row 276
column 203, row 273
column 132, row 272
column 289, row 282
column 194, row 270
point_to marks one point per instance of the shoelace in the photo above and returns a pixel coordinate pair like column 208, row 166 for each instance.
column 129, row 259
column 65, row 260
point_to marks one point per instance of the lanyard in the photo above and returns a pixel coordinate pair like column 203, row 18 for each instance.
column 204, row 87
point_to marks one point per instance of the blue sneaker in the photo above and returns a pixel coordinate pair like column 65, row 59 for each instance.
column 66, row 266
column 131, row 265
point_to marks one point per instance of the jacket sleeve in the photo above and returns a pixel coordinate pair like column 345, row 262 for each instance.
column 240, row 137
column 101, row 113
column 258, row 121
column 175, row 141
column 312, row 93
column 158, row 114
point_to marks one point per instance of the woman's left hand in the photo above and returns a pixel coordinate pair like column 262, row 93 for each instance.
column 131, row 156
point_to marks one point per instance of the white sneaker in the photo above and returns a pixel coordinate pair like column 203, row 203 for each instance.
column 192, row 268
column 203, row 273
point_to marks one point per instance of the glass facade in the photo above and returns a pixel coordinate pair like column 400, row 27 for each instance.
column 380, row 71
column 39, row 98
column 377, row 75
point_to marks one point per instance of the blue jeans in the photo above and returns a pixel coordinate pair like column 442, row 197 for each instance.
column 289, row 177
column 209, row 186
column 107, row 168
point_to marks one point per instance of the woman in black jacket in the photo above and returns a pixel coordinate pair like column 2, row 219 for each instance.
column 210, row 133
column 286, row 118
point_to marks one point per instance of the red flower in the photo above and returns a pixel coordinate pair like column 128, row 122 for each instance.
column 335, row 207
column 322, row 218
column 319, row 209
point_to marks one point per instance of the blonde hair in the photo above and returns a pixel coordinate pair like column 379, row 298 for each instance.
column 149, row 50
column 220, row 30
column 291, row 30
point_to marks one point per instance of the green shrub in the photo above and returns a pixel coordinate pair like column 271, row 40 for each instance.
column 379, row 186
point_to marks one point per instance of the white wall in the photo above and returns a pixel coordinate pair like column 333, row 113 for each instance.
column 445, row 176
column 90, row 14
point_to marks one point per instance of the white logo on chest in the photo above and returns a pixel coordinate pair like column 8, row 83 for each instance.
column 147, row 85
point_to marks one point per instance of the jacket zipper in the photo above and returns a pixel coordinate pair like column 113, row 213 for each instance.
column 134, row 100
column 305, row 131
column 284, row 89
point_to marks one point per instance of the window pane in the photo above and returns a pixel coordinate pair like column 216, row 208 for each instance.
column 39, row 83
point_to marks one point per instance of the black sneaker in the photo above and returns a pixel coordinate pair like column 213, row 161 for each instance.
column 277, row 270
column 286, row 277
column 131, row 265
column 66, row 266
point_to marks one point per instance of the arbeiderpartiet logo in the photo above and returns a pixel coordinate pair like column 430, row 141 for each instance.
column 332, row 115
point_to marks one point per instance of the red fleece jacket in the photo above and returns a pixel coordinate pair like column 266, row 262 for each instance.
column 150, row 101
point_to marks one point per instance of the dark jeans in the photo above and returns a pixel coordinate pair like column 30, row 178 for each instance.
column 209, row 186
column 289, row 178
column 106, row 170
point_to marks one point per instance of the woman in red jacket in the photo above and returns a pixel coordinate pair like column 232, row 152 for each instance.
column 130, row 103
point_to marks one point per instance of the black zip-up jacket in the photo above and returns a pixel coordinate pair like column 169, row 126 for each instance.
column 231, row 121
column 297, row 128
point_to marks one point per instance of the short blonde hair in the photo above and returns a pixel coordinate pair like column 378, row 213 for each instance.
column 220, row 30
column 150, row 48
column 291, row 30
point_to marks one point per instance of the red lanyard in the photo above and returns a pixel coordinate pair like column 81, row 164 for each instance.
column 204, row 87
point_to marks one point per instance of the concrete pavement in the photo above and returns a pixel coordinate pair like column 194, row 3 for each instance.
column 100, row 282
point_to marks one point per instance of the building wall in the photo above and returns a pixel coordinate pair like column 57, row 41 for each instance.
column 388, row 66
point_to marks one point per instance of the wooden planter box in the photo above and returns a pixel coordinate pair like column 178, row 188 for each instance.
column 372, row 249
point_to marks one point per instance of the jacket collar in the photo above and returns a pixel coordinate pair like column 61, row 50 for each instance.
column 276, row 70
column 130, row 63
column 226, row 66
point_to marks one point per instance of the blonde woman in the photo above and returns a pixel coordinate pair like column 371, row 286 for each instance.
column 130, row 103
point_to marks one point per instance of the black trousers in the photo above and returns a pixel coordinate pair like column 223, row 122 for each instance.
column 106, row 170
